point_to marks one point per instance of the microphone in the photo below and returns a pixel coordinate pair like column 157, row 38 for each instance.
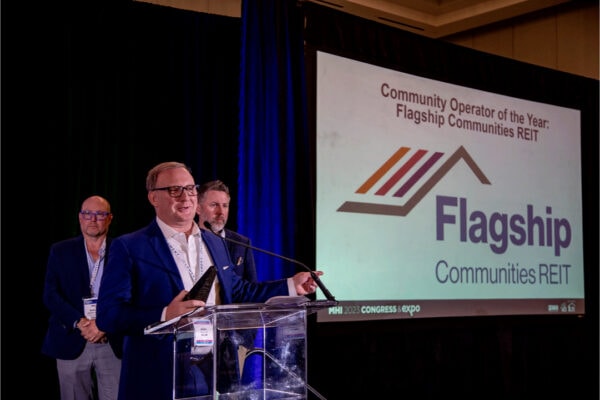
column 314, row 276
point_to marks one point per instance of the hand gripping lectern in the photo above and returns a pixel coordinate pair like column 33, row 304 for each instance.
column 241, row 351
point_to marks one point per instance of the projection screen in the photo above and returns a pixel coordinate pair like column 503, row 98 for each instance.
column 434, row 199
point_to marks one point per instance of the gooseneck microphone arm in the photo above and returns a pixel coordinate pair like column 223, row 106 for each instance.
column 313, row 275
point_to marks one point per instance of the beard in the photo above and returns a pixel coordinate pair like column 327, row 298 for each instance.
column 217, row 224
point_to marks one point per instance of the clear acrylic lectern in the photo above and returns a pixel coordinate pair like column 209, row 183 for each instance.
column 241, row 351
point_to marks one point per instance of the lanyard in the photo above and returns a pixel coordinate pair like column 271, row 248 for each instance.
column 192, row 250
column 94, row 268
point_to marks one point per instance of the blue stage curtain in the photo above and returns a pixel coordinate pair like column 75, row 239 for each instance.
column 273, row 131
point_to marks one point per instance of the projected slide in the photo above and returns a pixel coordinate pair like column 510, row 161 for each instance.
column 439, row 200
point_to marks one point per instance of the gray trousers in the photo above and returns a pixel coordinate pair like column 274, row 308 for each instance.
column 92, row 375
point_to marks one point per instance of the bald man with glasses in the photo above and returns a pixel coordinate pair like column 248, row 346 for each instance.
column 87, row 359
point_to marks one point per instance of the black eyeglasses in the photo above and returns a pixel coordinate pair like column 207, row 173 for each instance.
column 176, row 191
column 100, row 215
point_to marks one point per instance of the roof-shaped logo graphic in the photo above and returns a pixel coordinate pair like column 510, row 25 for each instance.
column 376, row 184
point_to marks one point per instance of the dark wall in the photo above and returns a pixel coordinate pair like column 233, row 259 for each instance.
column 467, row 358
column 94, row 94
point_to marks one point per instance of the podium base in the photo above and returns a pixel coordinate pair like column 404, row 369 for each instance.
column 258, row 394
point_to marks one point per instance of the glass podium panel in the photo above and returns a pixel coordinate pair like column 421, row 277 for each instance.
column 240, row 351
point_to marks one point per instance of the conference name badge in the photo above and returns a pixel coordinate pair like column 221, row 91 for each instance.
column 203, row 336
column 89, row 307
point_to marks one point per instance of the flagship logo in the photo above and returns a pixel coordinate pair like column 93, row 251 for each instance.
column 376, row 183
column 454, row 216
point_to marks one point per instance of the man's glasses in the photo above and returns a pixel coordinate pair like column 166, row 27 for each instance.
column 176, row 191
column 88, row 215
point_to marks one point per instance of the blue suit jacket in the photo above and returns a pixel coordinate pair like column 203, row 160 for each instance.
column 140, row 279
column 242, row 256
column 67, row 282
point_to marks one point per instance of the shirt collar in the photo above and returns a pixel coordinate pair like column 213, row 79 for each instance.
column 169, row 232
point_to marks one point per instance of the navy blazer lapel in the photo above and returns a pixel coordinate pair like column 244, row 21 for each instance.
column 81, row 259
column 220, row 257
column 161, row 249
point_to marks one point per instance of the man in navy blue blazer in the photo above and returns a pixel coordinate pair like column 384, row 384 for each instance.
column 149, row 273
column 87, row 359
column 214, row 200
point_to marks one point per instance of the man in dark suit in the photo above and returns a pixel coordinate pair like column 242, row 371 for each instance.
column 214, row 200
column 87, row 359
column 148, row 275
column 213, row 207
